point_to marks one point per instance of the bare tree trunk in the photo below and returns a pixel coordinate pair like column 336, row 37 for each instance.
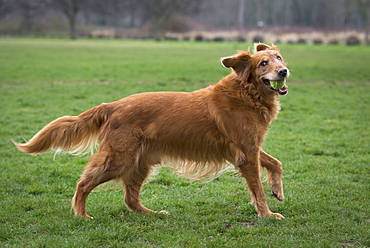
column 364, row 7
column 367, row 23
column 72, row 27
column 241, row 11
column 367, row 30
column 70, row 9
column 28, row 11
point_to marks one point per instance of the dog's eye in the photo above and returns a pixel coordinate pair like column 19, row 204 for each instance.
column 279, row 58
column 264, row 63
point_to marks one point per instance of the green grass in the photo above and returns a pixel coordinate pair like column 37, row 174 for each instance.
column 321, row 136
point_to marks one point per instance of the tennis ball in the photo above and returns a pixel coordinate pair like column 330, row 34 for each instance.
column 278, row 84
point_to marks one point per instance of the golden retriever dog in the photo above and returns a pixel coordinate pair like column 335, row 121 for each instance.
column 200, row 130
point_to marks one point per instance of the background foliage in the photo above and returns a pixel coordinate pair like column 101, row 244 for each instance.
column 154, row 17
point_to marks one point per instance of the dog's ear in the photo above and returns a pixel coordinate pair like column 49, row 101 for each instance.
column 238, row 62
column 261, row 47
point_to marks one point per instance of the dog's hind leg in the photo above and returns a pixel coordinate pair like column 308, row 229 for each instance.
column 132, row 187
column 251, row 172
column 274, row 174
column 135, row 163
column 97, row 171
column 132, row 181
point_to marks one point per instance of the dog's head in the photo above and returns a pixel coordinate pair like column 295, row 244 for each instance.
column 265, row 68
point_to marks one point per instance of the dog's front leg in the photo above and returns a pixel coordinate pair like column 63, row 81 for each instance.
column 274, row 177
column 250, row 170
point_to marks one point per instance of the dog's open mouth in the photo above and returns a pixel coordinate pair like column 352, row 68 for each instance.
column 279, row 86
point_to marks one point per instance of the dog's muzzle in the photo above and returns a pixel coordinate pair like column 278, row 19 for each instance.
column 282, row 88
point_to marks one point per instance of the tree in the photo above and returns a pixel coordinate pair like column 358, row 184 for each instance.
column 241, row 12
column 364, row 7
column 107, row 12
column 5, row 8
column 29, row 9
column 70, row 9
column 160, row 12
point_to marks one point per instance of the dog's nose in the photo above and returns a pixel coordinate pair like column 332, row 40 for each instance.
column 282, row 72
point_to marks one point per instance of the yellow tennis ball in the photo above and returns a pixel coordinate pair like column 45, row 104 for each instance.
column 278, row 84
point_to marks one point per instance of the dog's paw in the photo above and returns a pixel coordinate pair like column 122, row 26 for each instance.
column 85, row 216
column 163, row 212
column 278, row 216
column 279, row 196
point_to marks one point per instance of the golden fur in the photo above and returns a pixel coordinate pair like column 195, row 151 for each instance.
column 204, row 129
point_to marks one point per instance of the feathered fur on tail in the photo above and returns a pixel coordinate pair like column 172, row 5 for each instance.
column 75, row 134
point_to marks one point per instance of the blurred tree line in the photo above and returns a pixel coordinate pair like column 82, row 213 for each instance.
column 159, row 16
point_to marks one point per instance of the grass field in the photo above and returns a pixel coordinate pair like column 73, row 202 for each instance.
column 322, row 137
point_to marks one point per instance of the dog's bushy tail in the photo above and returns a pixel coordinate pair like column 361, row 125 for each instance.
column 74, row 134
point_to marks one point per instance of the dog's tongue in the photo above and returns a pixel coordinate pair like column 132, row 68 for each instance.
column 283, row 91
column 278, row 84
